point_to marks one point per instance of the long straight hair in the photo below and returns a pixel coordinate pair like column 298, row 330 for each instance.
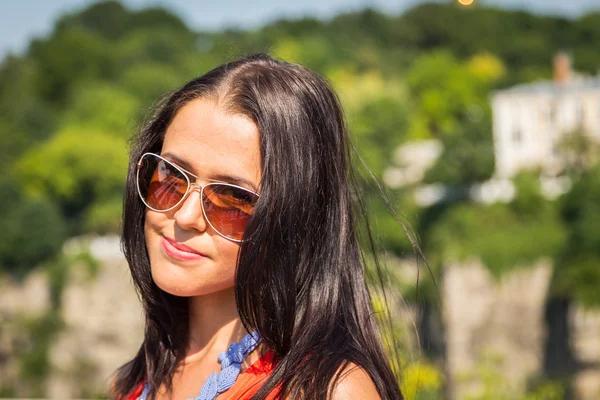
column 300, row 274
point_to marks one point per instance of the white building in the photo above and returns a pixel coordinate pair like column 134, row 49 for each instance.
column 531, row 120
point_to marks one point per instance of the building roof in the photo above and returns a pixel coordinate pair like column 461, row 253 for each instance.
column 551, row 87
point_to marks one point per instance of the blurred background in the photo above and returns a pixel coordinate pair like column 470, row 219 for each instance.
column 482, row 118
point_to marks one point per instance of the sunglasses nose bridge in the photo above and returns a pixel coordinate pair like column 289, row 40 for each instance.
column 195, row 186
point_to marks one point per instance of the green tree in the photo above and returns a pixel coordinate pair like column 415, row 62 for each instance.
column 451, row 105
column 102, row 107
column 496, row 234
column 579, row 150
column 78, row 168
column 577, row 274
column 25, row 118
column 468, row 155
column 32, row 229
column 69, row 57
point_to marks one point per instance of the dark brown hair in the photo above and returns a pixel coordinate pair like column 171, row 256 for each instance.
column 300, row 274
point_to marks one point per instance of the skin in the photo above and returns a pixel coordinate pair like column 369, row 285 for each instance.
column 355, row 384
column 211, row 143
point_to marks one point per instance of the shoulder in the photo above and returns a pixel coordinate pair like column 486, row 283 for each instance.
column 354, row 383
column 112, row 386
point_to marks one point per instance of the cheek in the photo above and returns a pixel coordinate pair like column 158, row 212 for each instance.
column 150, row 232
column 215, row 274
column 227, row 252
column 153, row 239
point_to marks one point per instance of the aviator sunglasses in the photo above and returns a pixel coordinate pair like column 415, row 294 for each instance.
column 163, row 186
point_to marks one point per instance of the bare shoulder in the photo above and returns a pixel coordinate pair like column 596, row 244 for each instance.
column 355, row 383
column 112, row 387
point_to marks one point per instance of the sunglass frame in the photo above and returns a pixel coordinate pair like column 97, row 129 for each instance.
column 190, row 184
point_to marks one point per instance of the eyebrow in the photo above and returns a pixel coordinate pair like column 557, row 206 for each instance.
column 236, row 180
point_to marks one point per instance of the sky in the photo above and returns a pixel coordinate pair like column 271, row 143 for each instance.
column 22, row 20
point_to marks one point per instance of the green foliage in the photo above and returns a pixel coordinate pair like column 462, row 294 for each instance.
column 419, row 378
column 389, row 233
column 71, row 101
column 577, row 273
column 451, row 105
column 422, row 381
column 529, row 199
column 468, row 155
column 7, row 392
column 25, row 118
column 377, row 128
column 74, row 97
column 377, row 120
column 40, row 333
column 103, row 107
column 154, row 44
column 525, row 42
column 105, row 19
column 547, row 390
column 578, row 278
column 32, row 229
column 492, row 384
column 147, row 82
column 104, row 215
column 312, row 51
column 58, row 274
column 70, row 57
column 501, row 237
column 34, row 362
column 111, row 20
column 580, row 152
column 443, row 89
column 68, row 169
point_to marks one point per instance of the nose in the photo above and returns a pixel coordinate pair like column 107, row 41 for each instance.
column 189, row 214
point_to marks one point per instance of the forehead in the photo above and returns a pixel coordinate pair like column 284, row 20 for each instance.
column 214, row 143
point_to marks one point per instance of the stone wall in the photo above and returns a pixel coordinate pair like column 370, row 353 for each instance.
column 492, row 324
column 499, row 328
column 585, row 344
column 20, row 303
column 103, row 323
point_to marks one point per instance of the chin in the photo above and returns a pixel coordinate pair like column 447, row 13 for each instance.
column 181, row 289
column 186, row 282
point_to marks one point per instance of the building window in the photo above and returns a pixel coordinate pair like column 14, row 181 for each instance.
column 551, row 114
column 517, row 136
column 580, row 114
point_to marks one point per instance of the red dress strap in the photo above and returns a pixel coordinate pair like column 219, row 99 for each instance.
column 245, row 386
column 136, row 393
column 251, row 380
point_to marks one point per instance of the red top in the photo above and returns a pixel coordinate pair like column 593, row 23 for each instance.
column 246, row 384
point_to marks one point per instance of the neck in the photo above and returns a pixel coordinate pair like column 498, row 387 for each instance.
column 214, row 323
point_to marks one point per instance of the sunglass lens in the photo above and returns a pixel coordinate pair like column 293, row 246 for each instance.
column 161, row 185
column 228, row 208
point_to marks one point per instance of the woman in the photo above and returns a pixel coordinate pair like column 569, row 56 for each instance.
column 239, row 228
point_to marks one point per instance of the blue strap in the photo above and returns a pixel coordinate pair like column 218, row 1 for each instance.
column 231, row 365
column 145, row 392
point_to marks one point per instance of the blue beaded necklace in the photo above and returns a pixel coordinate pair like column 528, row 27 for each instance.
column 231, row 365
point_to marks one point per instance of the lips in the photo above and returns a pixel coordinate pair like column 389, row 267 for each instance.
column 180, row 251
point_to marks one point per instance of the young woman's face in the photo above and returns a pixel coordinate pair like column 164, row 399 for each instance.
column 211, row 144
